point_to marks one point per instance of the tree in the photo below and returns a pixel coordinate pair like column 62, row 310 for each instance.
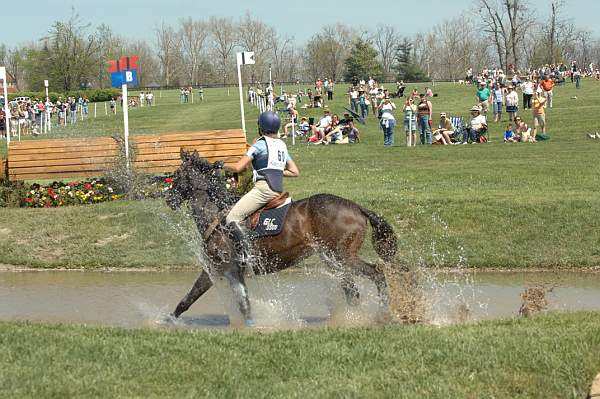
column 362, row 62
column 406, row 67
column 327, row 50
column 194, row 35
column 168, row 43
column 69, row 57
column 224, row 37
column 505, row 22
column 385, row 40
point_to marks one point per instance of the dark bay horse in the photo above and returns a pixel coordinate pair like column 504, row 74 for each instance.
column 324, row 224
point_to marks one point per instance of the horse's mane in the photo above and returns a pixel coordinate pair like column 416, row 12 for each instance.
column 215, row 182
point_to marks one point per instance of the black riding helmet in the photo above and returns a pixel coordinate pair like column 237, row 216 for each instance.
column 268, row 122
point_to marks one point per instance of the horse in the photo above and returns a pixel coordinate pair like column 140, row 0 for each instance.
column 323, row 224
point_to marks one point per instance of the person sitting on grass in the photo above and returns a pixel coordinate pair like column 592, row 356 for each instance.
column 477, row 126
column 334, row 133
column 522, row 131
column 509, row 135
column 445, row 132
column 321, row 129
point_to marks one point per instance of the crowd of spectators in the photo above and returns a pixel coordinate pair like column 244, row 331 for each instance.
column 28, row 116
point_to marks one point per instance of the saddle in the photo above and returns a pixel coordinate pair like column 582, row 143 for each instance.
column 269, row 219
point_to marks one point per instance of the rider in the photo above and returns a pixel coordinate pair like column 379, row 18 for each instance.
column 270, row 163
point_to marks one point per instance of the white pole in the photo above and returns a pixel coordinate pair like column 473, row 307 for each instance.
column 6, row 110
column 192, row 95
column 105, row 109
column 409, row 137
column 81, row 111
column 293, row 129
column 241, row 96
column 95, row 110
column 126, row 122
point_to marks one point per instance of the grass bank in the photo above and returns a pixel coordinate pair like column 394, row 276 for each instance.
column 551, row 356
column 493, row 205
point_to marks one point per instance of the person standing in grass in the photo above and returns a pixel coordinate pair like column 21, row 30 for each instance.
column 512, row 102
column 353, row 99
column 483, row 96
column 528, row 88
column 547, row 85
column 363, row 103
column 388, row 121
column 497, row 101
column 539, row 115
column 410, row 122
column 424, row 114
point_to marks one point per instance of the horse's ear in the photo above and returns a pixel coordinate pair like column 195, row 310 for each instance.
column 184, row 155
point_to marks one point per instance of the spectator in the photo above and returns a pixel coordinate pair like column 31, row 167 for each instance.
column 477, row 127
column 547, row 85
column 330, row 91
column 528, row 88
column 410, row 122
column 73, row 111
column 577, row 77
column 445, row 132
column 364, row 104
column 353, row 99
column 400, row 87
column 522, row 131
column 512, row 102
column 424, row 114
column 509, row 135
column 388, row 121
column 539, row 115
column 322, row 128
column 497, row 101
column 428, row 92
column 483, row 95
column 113, row 106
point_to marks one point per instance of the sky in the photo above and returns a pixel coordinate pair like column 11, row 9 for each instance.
column 137, row 19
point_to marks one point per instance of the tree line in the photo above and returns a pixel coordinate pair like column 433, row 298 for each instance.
column 492, row 33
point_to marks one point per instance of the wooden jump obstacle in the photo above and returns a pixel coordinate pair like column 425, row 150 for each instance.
column 55, row 159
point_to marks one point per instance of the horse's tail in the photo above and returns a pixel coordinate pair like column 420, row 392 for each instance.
column 384, row 238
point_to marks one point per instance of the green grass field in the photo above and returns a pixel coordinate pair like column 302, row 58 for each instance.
column 492, row 205
column 552, row 356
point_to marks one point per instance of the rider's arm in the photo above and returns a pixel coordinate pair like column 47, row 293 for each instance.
column 239, row 166
column 291, row 170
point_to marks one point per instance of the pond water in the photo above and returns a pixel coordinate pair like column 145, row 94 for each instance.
column 285, row 300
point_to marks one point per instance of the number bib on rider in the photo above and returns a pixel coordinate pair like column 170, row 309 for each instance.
column 272, row 169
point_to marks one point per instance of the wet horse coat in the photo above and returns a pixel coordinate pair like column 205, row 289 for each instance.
column 322, row 224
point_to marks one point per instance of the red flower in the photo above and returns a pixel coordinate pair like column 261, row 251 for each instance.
column 73, row 184
column 29, row 200
column 168, row 180
column 48, row 204
column 51, row 191
column 87, row 186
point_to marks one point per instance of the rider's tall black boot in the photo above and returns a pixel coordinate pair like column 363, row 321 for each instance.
column 241, row 240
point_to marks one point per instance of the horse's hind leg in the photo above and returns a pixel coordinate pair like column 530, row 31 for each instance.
column 201, row 285
column 350, row 290
column 240, row 291
column 374, row 274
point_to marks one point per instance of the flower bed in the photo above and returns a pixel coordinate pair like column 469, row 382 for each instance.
column 88, row 192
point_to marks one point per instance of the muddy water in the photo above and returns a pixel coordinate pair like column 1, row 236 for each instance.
column 285, row 300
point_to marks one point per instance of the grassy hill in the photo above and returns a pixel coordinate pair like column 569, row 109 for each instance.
column 491, row 205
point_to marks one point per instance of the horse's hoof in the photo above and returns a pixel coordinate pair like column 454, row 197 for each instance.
column 250, row 323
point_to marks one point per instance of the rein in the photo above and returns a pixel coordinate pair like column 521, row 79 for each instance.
column 213, row 225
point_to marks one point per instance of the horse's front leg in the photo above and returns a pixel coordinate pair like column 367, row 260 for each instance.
column 201, row 285
column 235, row 275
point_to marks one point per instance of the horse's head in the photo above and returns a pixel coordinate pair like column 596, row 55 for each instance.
column 191, row 180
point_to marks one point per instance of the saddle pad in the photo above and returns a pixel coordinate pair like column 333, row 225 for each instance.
column 270, row 222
